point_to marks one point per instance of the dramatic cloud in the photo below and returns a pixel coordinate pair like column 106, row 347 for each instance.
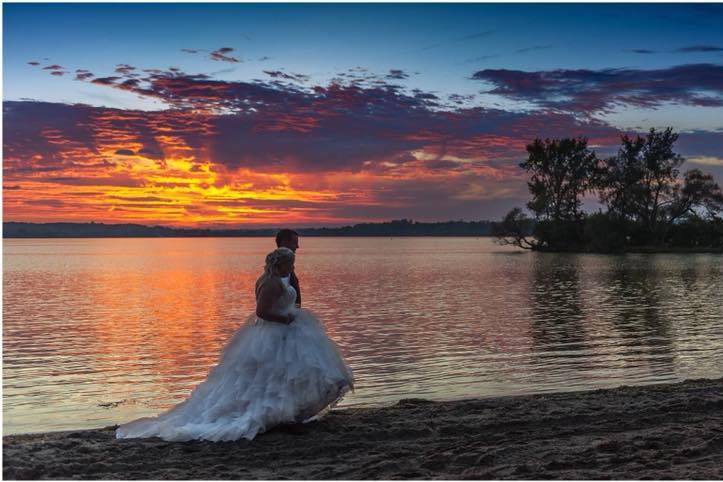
column 222, row 55
column 82, row 74
column 277, row 74
column 270, row 151
column 600, row 90
column 124, row 69
column 397, row 74
column 332, row 154
column 106, row 81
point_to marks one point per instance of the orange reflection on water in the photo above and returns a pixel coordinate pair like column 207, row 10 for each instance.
column 99, row 331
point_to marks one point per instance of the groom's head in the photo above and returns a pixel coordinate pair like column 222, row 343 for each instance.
column 287, row 238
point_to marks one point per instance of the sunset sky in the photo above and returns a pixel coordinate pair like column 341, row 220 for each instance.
column 310, row 115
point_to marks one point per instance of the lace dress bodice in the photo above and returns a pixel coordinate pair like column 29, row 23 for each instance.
column 286, row 302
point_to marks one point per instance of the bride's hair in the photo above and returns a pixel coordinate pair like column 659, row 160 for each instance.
column 276, row 257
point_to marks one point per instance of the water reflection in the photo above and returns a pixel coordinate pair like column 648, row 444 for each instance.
column 98, row 331
column 557, row 310
column 634, row 293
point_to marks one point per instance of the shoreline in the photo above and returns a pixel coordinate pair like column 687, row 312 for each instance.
column 659, row 431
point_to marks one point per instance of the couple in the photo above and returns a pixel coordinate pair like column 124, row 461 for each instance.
column 279, row 367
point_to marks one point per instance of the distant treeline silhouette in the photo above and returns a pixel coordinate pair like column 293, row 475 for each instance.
column 646, row 204
column 402, row 227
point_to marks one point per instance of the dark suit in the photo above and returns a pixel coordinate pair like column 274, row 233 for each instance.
column 294, row 282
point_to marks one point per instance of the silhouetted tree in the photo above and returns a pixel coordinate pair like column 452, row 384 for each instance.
column 515, row 229
column 698, row 195
column 647, row 203
column 699, row 191
column 621, row 180
column 562, row 171
column 639, row 184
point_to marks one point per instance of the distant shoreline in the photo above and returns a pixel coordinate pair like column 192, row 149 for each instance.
column 404, row 227
column 262, row 236
column 660, row 431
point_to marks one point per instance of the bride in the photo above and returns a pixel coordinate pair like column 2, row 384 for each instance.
column 279, row 367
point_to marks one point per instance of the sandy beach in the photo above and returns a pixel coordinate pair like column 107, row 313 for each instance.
column 654, row 432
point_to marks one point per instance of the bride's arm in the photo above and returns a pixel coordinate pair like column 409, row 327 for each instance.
column 268, row 294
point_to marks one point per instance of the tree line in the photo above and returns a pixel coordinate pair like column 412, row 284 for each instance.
column 644, row 200
column 400, row 227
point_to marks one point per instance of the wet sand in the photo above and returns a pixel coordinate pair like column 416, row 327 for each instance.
column 654, row 432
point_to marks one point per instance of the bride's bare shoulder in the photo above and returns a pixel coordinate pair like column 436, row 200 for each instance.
column 268, row 285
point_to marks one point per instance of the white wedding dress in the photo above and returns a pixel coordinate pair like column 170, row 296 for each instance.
column 269, row 373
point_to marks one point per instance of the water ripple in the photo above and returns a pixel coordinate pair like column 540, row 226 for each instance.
column 99, row 331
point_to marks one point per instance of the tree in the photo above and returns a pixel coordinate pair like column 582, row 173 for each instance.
column 562, row 172
column 620, row 180
column 698, row 191
column 699, row 194
column 515, row 229
column 640, row 182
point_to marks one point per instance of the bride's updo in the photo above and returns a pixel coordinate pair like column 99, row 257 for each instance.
column 277, row 257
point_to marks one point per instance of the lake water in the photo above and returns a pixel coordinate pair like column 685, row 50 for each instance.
column 100, row 331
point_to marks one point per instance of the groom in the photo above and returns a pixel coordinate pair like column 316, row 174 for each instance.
column 288, row 238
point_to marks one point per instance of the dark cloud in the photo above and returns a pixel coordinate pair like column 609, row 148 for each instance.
column 34, row 63
column 644, row 51
column 53, row 67
column 461, row 99
column 151, row 153
column 129, row 84
column 277, row 74
column 105, row 80
column 333, row 128
column 124, row 69
column 399, row 156
column 599, row 90
column 700, row 48
column 82, row 75
column 222, row 55
column 355, row 125
column 397, row 74
column 427, row 96
column 57, row 73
